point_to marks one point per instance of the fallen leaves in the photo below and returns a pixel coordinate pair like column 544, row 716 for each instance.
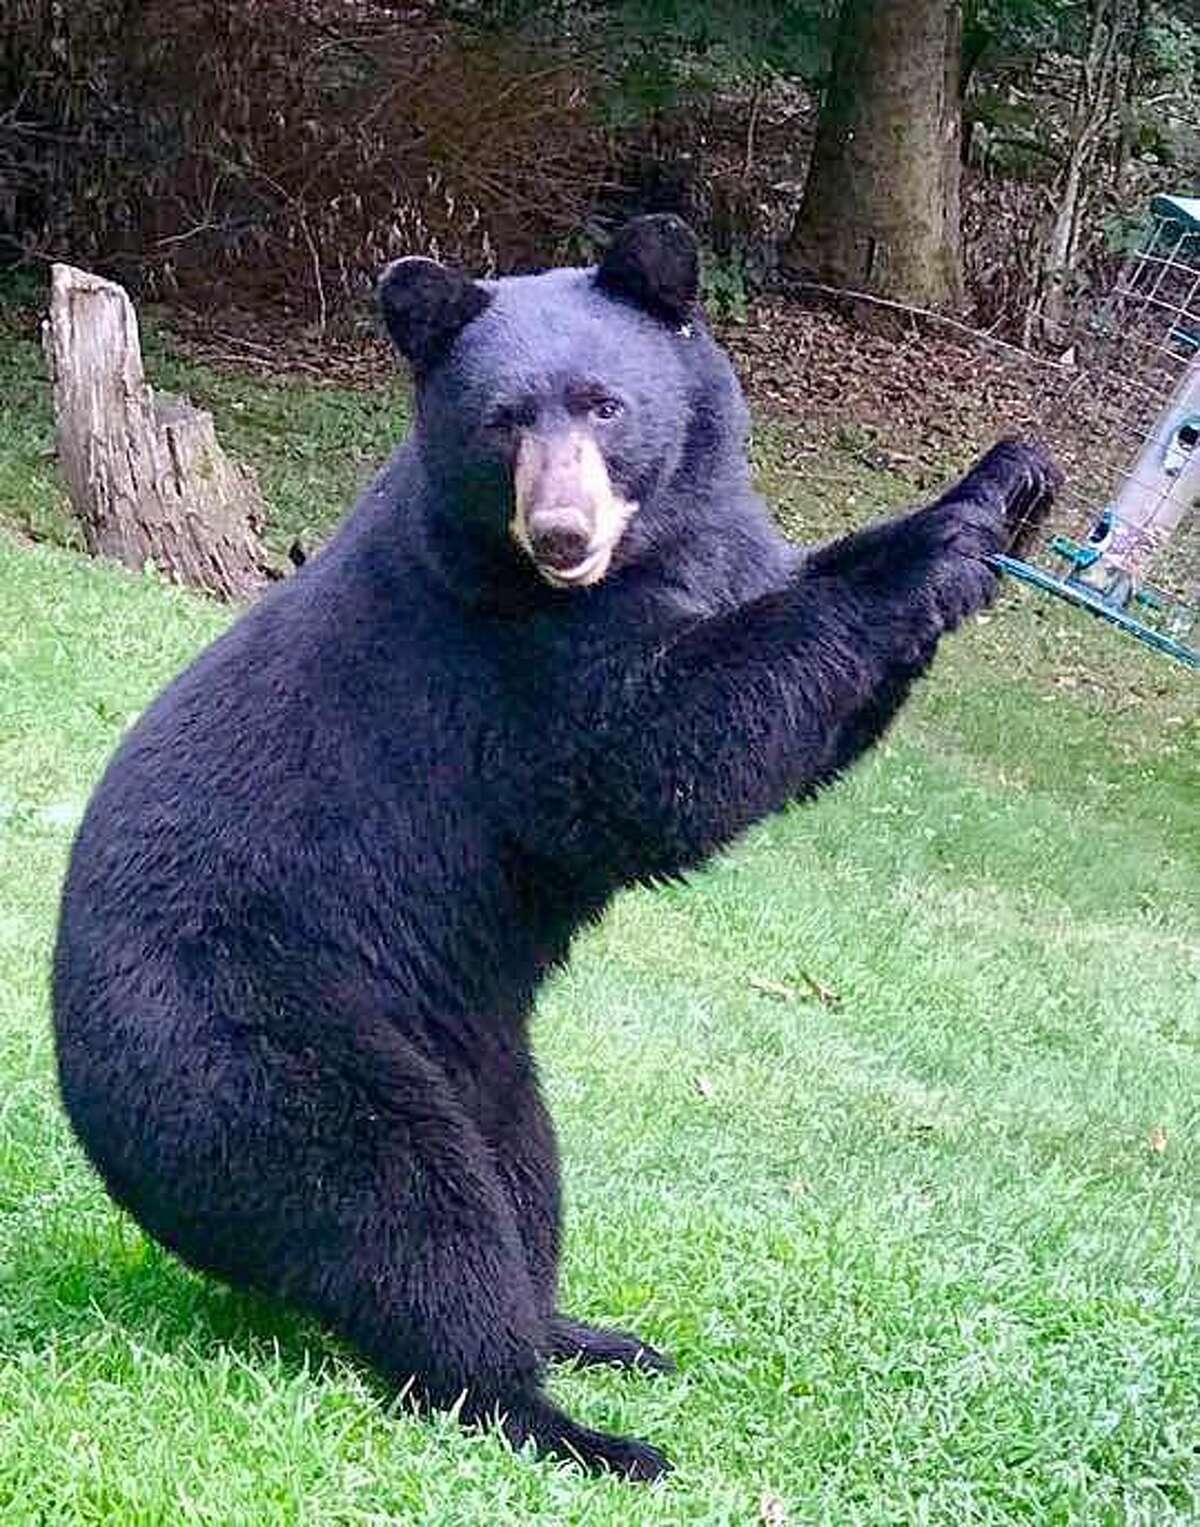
column 908, row 401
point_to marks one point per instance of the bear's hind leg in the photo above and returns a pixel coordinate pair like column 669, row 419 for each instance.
column 343, row 1177
column 404, row 1241
column 526, row 1157
column 451, row 1310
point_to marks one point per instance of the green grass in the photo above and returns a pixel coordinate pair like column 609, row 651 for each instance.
column 33, row 501
column 915, row 1247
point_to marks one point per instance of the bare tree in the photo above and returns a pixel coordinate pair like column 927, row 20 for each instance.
column 1112, row 33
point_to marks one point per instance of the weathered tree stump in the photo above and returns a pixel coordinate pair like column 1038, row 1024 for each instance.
column 147, row 479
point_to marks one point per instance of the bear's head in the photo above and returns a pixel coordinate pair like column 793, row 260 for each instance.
column 556, row 413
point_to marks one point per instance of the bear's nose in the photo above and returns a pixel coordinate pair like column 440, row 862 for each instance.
column 559, row 545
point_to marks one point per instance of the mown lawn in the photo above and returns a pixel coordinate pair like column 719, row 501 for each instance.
column 886, row 1126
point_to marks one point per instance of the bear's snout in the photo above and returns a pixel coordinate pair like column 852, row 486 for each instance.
column 567, row 516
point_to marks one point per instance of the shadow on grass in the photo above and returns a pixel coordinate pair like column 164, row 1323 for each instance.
column 96, row 1281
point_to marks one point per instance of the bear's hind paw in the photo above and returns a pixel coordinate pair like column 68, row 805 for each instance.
column 536, row 1420
column 575, row 1340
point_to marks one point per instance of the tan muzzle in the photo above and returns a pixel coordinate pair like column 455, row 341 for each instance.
column 568, row 519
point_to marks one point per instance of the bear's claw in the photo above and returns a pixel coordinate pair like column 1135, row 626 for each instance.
column 1027, row 478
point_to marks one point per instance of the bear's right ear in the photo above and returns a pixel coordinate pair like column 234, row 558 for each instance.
column 655, row 262
column 426, row 306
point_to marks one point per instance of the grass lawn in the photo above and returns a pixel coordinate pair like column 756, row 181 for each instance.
column 886, row 1126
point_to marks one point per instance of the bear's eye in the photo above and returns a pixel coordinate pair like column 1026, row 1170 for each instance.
column 607, row 409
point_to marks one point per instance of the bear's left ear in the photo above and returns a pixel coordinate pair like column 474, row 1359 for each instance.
column 426, row 306
column 655, row 262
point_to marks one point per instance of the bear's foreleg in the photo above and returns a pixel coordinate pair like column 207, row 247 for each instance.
column 1006, row 491
column 754, row 708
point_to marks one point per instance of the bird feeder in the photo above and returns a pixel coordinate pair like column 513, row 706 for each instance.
column 1135, row 559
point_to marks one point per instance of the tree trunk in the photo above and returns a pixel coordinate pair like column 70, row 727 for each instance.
column 880, row 209
column 146, row 476
column 952, row 158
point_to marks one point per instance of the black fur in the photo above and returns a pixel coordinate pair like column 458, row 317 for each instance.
column 654, row 262
column 314, row 896
column 425, row 307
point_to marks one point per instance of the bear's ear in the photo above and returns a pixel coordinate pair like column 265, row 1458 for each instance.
column 655, row 262
column 426, row 306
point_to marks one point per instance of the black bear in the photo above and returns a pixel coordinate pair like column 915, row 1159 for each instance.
column 557, row 648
